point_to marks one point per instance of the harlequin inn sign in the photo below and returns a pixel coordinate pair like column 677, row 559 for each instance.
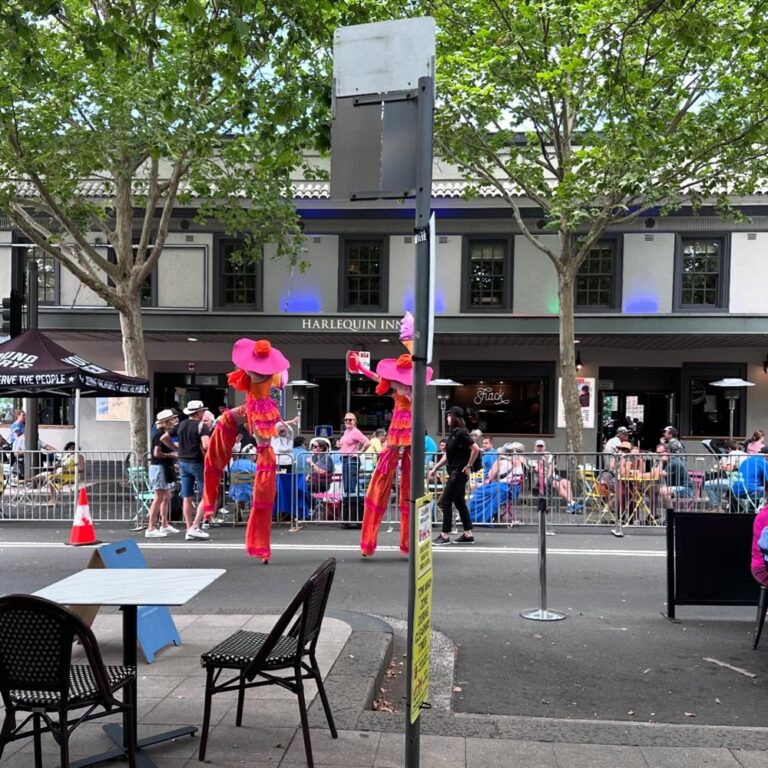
column 359, row 324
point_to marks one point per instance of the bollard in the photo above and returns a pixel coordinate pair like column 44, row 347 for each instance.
column 542, row 613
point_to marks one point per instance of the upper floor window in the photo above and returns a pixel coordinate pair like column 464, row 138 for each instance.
column 487, row 274
column 701, row 273
column 238, row 276
column 363, row 270
column 597, row 280
column 47, row 272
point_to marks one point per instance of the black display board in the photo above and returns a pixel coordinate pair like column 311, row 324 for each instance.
column 708, row 560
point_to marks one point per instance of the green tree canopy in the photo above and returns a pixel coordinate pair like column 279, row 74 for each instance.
column 113, row 112
column 597, row 111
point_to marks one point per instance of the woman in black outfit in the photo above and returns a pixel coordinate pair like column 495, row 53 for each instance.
column 460, row 454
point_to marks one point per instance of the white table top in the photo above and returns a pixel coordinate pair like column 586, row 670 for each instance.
column 131, row 586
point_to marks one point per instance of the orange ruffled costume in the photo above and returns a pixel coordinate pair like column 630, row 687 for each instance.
column 380, row 486
column 261, row 415
column 397, row 375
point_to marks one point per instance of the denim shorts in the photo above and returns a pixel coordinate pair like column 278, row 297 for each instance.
column 190, row 473
column 157, row 481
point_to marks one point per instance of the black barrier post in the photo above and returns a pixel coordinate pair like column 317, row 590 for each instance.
column 670, row 563
column 541, row 613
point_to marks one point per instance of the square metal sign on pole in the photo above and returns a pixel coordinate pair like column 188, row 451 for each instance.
column 376, row 71
column 381, row 147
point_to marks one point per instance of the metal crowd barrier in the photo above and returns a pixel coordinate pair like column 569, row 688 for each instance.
column 585, row 489
column 40, row 485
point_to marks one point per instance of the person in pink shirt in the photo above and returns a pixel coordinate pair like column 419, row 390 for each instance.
column 759, row 567
column 755, row 443
column 351, row 444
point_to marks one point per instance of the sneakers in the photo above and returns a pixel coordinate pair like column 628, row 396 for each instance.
column 438, row 541
column 574, row 508
column 464, row 539
column 210, row 523
column 196, row 533
column 169, row 529
column 155, row 533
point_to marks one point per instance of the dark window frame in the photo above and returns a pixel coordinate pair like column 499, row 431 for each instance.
column 722, row 305
column 344, row 304
column 19, row 246
column 616, row 298
column 219, row 260
column 509, row 265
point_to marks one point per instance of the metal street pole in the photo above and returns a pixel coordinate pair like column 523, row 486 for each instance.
column 420, row 342
column 31, row 429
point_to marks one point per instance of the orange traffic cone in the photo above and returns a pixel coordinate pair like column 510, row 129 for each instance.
column 83, row 531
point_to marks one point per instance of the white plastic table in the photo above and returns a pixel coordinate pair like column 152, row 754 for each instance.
column 129, row 588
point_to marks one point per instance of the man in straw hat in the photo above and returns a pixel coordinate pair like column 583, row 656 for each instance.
column 193, row 443
column 397, row 375
column 260, row 366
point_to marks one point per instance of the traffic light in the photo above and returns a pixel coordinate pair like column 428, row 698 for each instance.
column 12, row 309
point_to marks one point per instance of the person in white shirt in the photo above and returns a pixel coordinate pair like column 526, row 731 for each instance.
column 282, row 445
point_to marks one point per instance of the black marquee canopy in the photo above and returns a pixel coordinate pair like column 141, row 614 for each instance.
column 32, row 365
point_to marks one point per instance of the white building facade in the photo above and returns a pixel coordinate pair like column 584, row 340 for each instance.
column 665, row 306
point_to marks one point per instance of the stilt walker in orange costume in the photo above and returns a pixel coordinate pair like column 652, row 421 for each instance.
column 259, row 367
column 396, row 375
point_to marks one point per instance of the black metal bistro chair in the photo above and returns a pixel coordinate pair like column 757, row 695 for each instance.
column 38, row 678
column 253, row 658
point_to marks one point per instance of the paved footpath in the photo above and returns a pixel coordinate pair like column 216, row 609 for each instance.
column 353, row 654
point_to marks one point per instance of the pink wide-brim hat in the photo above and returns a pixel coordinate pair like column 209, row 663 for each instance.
column 259, row 356
column 389, row 369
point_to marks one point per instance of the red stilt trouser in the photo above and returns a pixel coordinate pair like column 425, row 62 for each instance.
column 258, row 532
column 377, row 498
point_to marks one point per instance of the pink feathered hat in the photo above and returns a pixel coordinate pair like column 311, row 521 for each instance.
column 259, row 356
column 399, row 370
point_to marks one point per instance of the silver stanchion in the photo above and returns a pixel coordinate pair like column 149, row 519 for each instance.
column 542, row 613
column 621, row 501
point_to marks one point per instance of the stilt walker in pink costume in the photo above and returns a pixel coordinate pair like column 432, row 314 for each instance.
column 396, row 375
column 259, row 367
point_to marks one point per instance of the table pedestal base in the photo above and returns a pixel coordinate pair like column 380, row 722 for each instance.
column 115, row 732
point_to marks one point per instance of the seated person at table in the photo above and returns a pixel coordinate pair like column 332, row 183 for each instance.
column 242, row 471
column 749, row 488
column 62, row 474
column 301, row 455
column 502, row 486
column 673, row 473
column 490, row 455
column 320, row 464
column 719, row 481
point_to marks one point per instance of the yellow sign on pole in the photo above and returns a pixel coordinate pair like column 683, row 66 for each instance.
column 423, row 612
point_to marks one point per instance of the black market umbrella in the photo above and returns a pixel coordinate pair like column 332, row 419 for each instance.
column 32, row 365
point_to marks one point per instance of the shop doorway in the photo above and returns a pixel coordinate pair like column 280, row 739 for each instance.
column 643, row 399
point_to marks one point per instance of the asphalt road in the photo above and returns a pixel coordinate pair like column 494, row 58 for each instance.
column 614, row 657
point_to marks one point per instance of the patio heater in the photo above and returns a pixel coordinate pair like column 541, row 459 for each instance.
column 444, row 389
column 731, row 391
column 300, row 387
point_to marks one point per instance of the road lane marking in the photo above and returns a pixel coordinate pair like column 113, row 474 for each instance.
column 457, row 550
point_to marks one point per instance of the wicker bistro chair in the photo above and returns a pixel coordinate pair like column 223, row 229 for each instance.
column 37, row 677
column 253, row 658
